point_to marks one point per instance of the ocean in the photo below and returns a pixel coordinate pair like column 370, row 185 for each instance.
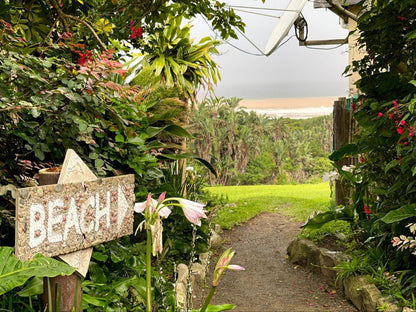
column 294, row 113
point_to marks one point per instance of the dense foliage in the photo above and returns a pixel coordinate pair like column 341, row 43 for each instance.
column 63, row 86
column 100, row 23
column 382, row 206
column 247, row 148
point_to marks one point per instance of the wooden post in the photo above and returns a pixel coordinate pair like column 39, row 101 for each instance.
column 342, row 136
column 66, row 287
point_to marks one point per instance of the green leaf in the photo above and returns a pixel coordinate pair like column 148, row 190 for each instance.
column 208, row 165
column 33, row 287
column 99, row 256
column 390, row 165
column 93, row 155
column 320, row 219
column 399, row 214
column 345, row 151
column 14, row 273
column 95, row 301
column 119, row 138
column 218, row 308
column 222, row 307
column 179, row 131
column 99, row 163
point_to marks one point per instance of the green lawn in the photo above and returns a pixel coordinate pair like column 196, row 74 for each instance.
column 295, row 201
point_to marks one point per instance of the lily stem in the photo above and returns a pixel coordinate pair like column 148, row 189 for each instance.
column 208, row 299
column 149, row 271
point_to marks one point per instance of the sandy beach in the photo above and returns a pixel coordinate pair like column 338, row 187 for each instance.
column 297, row 108
column 282, row 103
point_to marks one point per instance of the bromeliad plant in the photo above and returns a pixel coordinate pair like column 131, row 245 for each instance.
column 154, row 211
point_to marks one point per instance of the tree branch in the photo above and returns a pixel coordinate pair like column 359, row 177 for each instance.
column 60, row 13
column 63, row 16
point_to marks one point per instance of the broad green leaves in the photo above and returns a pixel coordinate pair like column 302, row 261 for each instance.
column 177, row 61
column 400, row 214
column 14, row 273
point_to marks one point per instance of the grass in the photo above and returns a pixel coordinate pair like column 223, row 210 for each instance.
column 294, row 201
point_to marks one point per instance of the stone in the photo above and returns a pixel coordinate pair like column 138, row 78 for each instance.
column 198, row 273
column 352, row 289
column 217, row 228
column 361, row 293
column 328, row 260
column 301, row 251
column 370, row 295
column 385, row 305
column 183, row 273
column 204, row 258
column 216, row 240
column 408, row 310
column 180, row 289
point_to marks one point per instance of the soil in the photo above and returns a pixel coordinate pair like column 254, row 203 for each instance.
column 270, row 283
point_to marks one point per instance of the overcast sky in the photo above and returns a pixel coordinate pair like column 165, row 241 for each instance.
column 292, row 70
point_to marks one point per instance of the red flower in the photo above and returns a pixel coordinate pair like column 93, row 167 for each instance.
column 136, row 32
column 366, row 210
column 400, row 130
column 84, row 58
column 401, row 18
column 380, row 114
column 391, row 116
column 67, row 35
column 402, row 122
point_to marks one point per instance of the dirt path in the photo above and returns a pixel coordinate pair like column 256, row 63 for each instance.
column 270, row 283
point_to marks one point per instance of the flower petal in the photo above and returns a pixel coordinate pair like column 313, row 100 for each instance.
column 193, row 211
column 140, row 207
column 164, row 211
column 235, row 267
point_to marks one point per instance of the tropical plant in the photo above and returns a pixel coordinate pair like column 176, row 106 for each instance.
column 15, row 273
column 176, row 60
column 107, row 24
column 247, row 148
column 383, row 182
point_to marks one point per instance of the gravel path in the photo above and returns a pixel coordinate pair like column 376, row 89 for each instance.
column 270, row 283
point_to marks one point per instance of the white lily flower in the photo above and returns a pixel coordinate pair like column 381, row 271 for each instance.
column 193, row 211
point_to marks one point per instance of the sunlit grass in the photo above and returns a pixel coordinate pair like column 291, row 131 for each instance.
column 294, row 201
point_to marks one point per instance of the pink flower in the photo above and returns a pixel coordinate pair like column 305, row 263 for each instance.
column 366, row 210
column 193, row 211
column 223, row 264
column 400, row 130
column 402, row 122
column 152, row 205
column 380, row 114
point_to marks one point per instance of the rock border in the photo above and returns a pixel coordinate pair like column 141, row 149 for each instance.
column 195, row 276
column 364, row 295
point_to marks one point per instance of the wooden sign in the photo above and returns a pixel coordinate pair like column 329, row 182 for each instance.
column 75, row 170
column 62, row 218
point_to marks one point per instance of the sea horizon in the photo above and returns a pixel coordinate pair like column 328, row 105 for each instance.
column 294, row 108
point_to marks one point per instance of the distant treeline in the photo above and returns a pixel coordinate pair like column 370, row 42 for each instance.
column 247, row 148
